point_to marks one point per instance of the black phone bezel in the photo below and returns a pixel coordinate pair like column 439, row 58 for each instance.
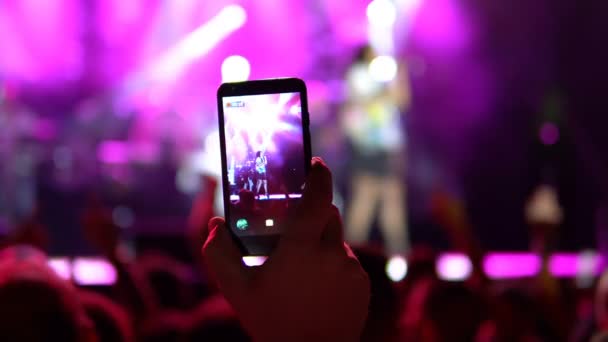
column 259, row 245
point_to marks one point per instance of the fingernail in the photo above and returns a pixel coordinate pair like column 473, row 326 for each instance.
column 317, row 160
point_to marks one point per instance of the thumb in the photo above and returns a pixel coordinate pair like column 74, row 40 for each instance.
column 333, row 235
column 224, row 259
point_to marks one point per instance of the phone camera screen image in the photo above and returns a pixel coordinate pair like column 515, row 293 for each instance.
column 265, row 165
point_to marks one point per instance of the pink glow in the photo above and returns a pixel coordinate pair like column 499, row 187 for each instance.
column 93, row 271
column 40, row 39
column 441, row 25
column 113, row 152
column 450, row 266
column 511, row 265
column 198, row 43
column 454, row 266
column 564, row 265
column 61, row 266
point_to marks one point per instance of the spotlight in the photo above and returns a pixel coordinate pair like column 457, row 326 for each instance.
column 381, row 13
column 235, row 69
column 408, row 6
column 396, row 268
column 198, row 43
column 383, row 68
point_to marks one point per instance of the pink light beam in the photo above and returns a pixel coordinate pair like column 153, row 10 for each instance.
column 197, row 43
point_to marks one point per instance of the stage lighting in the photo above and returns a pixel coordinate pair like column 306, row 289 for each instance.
column 396, row 268
column 93, row 271
column 381, row 13
column 197, row 43
column 113, row 152
column 383, row 68
column 454, row 267
column 235, row 69
column 408, row 6
column 511, row 265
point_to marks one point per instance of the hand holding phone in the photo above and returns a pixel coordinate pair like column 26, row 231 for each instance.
column 311, row 287
column 265, row 150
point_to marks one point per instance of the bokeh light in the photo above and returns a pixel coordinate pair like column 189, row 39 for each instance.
column 383, row 68
column 235, row 69
column 454, row 267
column 381, row 13
column 396, row 268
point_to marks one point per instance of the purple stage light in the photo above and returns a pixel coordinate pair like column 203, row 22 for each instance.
column 93, row 271
column 511, row 265
column 198, row 43
column 450, row 266
column 40, row 41
column 113, row 152
column 440, row 26
column 564, row 265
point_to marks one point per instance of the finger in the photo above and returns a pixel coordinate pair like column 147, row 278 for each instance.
column 224, row 259
column 315, row 208
column 333, row 235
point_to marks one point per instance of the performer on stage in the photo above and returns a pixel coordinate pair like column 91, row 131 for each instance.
column 372, row 122
column 260, row 169
column 248, row 176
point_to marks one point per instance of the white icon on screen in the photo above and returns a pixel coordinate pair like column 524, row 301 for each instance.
column 269, row 222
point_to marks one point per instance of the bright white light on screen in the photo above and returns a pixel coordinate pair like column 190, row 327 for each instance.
column 383, row 68
column 254, row 260
column 235, row 69
column 381, row 13
column 396, row 268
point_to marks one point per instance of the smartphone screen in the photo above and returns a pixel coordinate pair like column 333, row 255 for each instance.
column 266, row 158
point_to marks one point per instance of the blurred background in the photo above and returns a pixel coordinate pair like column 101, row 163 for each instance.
column 499, row 133
column 467, row 138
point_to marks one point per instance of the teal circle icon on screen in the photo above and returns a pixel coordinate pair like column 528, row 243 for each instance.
column 242, row 224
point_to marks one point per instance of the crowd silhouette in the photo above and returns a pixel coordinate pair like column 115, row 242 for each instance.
column 314, row 286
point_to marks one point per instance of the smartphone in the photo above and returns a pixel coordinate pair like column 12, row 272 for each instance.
column 265, row 149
